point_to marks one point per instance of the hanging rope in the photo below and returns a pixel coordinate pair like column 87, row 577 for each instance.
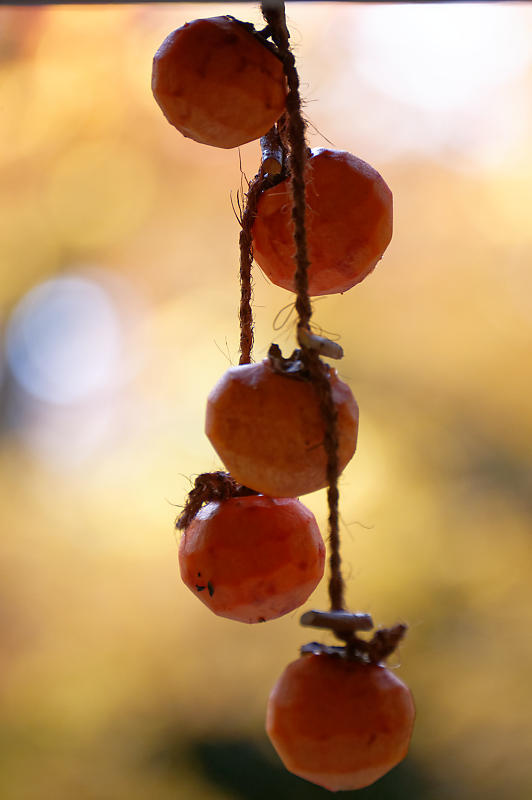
column 268, row 175
column 319, row 372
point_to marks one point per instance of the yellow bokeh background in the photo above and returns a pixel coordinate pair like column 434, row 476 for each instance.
column 115, row 682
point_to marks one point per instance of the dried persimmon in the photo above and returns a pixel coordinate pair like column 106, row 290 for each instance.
column 269, row 431
column 349, row 221
column 217, row 83
column 341, row 724
column 252, row 558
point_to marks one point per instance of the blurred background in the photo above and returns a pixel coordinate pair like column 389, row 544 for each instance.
column 119, row 297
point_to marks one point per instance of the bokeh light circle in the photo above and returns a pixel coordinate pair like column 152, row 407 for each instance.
column 64, row 341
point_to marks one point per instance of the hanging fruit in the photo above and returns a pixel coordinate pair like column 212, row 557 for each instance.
column 348, row 223
column 339, row 723
column 218, row 82
column 252, row 558
column 317, row 222
column 265, row 422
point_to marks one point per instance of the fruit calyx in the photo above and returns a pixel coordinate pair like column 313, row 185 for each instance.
column 344, row 625
column 299, row 365
column 261, row 36
column 209, row 487
column 293, row 367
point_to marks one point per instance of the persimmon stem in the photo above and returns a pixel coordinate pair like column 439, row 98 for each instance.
column 345, row 626
column 343, row 623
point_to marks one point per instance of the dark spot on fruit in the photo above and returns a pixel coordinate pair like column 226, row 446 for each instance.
column 210, row 587
column 199, row 574
column 200, row 588
column 261, row 619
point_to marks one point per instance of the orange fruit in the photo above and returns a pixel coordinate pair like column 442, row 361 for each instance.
column 268, row 429
column 217, row 84
column 338, row 723
column 252, row 558
column 349, row 223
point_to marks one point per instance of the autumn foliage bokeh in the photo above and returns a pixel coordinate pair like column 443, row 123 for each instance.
column 119, row 297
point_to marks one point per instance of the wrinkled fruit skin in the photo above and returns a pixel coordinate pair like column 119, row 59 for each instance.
column 252, row 558
column 349, row 224
column 340, row 724
column 217, row 84
column 268, row 429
